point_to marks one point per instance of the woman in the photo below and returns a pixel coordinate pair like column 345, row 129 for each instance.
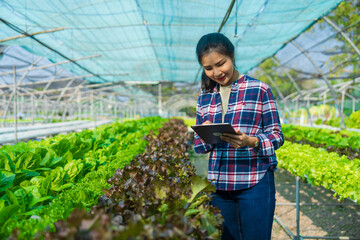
column 242, row 166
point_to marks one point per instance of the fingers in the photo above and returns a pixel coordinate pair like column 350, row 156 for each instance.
column 236, row 140
column 207, row 122
column 233, row 141
column 228, row 137
column 238, row 136
column 235, row 144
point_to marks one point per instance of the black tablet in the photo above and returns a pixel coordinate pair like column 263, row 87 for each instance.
column 211, row 133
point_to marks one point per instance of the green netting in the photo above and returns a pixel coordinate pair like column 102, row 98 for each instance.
column 154, row 40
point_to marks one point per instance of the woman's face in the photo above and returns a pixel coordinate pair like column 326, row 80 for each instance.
column 219, row 68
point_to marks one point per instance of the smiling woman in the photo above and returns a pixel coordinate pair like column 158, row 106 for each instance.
column 219, row 68
column 242, row 165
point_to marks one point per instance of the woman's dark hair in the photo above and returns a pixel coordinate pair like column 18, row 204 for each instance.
column 213, row 42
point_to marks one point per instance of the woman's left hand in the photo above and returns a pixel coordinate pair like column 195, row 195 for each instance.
column 238, row 140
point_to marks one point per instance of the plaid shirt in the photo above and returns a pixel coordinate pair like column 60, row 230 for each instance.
column 252, row 110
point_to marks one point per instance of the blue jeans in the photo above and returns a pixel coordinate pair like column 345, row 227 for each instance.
column 248, row 213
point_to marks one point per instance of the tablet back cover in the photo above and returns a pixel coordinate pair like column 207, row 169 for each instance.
column 211, row 133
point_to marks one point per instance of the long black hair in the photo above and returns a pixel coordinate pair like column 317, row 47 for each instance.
column 213, row 42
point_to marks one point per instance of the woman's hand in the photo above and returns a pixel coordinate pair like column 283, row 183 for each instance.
column 239, row 139
column 207, row 122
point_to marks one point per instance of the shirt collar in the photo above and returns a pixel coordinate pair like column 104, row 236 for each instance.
column 235, row 83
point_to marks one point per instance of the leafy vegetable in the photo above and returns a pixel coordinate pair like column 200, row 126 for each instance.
column 84, row 187
column 179, row 209
column 321, row 168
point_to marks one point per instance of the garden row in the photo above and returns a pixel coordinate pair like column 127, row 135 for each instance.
column 156, row 196
column 342, row 142
column 322, row 168
column 67, row 171
column 321, row 157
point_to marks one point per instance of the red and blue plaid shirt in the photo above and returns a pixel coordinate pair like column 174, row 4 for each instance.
column 252, row 110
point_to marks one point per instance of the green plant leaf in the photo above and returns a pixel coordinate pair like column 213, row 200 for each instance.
column 7, row 212
column 61, row 147
column 73, row 168
column 6, row 162
column 199, row 184
column 6, row 180
column 28, row 160
column 2, row 203
column 48, row 158
column 11, row 197
column 62, row 187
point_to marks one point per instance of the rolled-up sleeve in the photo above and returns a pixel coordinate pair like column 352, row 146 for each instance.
column 199, row 145
column 272, row 137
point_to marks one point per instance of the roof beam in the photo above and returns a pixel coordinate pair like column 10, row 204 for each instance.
column 32, row 34
column 343, row 34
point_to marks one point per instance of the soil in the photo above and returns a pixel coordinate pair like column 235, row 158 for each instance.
column 339, row 220
column 322, row 220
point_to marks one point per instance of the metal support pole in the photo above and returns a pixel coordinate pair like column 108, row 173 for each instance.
column 308, row 112
column 342, row 100
column 96, row 112
column 32, row 110
column 353, row 105
column 79, row 105
column 297, row 108
column 324, row 107
column 114, row 107
column 159, row 91
column 287, row 230
column 141, row 112
column 15, row 106
column 298, row 208
column 101, row 107
column 92, row 106
column 64, row 112
column 47, row 111
column 22, row 103
column 3, row 101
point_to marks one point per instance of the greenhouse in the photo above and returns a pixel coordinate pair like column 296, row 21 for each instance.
column 99, row 98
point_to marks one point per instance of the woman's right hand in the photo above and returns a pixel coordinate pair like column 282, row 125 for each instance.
column 207, row 122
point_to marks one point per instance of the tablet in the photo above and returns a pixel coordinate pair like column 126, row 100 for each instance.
column 211, row 133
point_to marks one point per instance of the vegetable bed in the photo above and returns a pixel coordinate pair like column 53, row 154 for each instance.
column 156, row 196
column 67, row 171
